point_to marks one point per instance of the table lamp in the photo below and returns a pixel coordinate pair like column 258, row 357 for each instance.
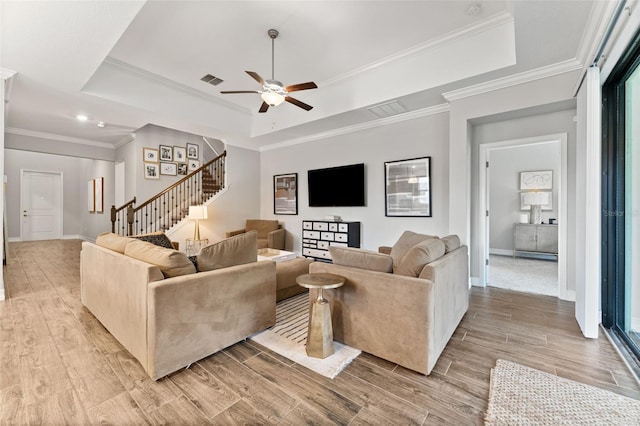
column 196, row 213
column 536, row 200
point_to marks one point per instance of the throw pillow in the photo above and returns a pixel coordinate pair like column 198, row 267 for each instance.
column 236, row 250
column 451, row 242
column 360, row 258
column 112, row 241
column 171, row 262
column 157, row 238
column 406, row 241
column 418, row 256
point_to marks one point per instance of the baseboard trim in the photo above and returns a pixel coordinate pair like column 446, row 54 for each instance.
column 569, row 295
column 64, row 237
column 501, row 252
column 14, row 239
column 476, row 282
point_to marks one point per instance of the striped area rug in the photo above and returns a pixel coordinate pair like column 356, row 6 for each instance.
column 289, row 336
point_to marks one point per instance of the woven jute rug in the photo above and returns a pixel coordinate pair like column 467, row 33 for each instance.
column 520, row 395
column 289, row 336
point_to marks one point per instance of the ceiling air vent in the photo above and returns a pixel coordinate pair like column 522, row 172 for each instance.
column 387, row 109
column 211, row 79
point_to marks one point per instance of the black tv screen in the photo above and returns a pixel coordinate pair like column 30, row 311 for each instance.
column 337, row 186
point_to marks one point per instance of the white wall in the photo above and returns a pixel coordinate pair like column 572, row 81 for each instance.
column 504, row 182
column 77, row 221
column 419, row 137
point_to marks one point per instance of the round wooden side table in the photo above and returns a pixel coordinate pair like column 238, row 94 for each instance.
column 320, row 331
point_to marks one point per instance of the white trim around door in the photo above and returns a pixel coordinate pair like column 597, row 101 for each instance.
column 45, row 201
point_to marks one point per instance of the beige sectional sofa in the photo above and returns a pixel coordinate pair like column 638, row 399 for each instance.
column 167, row 315
column 402, row 305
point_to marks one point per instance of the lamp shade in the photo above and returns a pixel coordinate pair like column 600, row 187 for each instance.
column 197, row 212
column 537, row 198
column 272, row 98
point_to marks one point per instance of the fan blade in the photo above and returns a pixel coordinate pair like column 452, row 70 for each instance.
column 256, row 77
column 264, row 107
column 297, row 103
column 226, row 92
column 301, row 86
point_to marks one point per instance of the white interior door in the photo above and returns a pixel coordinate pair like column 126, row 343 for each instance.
column 41, row 201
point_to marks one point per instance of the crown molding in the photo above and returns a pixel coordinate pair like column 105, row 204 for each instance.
column 424, row 112
column 129, row 138
column 515, row 79
column 59, row 138
column 469, row 31
column 599, row 17
column 147, row 75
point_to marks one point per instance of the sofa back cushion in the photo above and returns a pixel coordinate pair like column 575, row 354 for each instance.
column 360, row 258
column 419, row 255
column 406, row 241
column 451, row 242
column 112, row 241
column 262, row 227
column 236, row 250
column 171, row 262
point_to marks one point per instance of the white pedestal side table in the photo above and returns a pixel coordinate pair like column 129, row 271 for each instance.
column 320, row 331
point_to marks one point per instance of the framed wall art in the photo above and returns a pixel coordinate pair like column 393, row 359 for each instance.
column 193, row 165
column 170, row 169
column 166, row 153
column 193, row 151
column 98, row 186
column 536, row 180
column 183, row 169
column 179, row 154
column 408, row 187
column 91, row 196
column 151, row 171
column 285, row 194
column 150, row 155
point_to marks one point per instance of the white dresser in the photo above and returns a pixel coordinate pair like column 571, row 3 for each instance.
column 319, row 235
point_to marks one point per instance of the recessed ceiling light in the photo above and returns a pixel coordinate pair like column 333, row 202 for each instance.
column 101, row 124
column 81, row 117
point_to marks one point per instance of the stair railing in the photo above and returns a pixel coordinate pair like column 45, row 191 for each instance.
column 170, row 206
column 122, row 218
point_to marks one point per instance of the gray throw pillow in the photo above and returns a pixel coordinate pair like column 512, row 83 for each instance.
column 420, row 255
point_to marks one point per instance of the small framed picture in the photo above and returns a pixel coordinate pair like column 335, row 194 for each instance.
column 183, row 169
column 193, row 151
column 285, row 194
column 150, row 155
column 194, row 165
column 151, row 171
column 179, row 154
column 166, row 153
column 170, row 169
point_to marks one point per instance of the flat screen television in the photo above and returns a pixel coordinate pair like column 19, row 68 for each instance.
column 337, row 186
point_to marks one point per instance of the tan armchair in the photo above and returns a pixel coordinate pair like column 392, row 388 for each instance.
column 270, row 233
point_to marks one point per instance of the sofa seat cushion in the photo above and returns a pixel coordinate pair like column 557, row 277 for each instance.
column 262, row 227
column 362, row 259
column 419, row 255
column 113, row 241
column 236, row 250
column 172, row 263
column 159, row 239
column 405, row 243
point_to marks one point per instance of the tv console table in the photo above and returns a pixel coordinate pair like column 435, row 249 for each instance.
column 318, row 235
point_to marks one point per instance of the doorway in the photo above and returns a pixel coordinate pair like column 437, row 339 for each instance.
column 538, row 272
column 40, row 205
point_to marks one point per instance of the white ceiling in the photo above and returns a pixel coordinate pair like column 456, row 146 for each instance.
column 129, row 63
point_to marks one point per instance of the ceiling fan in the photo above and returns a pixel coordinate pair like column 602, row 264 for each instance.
column 273, row 92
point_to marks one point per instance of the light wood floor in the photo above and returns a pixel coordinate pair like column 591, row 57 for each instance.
column 59, row 365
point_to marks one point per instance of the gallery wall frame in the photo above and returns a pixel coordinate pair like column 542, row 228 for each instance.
column 179, row 154
column 285, row 194
column 193, row 165
column 166, row 153
column 193, row 151
column 91, row 196
column 183, row 169
column 150, row 155
column 151, row 171
column 170, row 169
column 408, row 187
column 98, row 185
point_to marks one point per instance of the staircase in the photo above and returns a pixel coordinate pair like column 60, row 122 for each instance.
column 170, row 206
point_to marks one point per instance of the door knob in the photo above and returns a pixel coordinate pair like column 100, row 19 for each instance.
column 24, row 213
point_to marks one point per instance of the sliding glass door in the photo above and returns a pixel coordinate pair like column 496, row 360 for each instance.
column 621, row 201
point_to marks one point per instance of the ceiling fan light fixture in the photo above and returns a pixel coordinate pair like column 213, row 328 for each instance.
column 272, row 98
